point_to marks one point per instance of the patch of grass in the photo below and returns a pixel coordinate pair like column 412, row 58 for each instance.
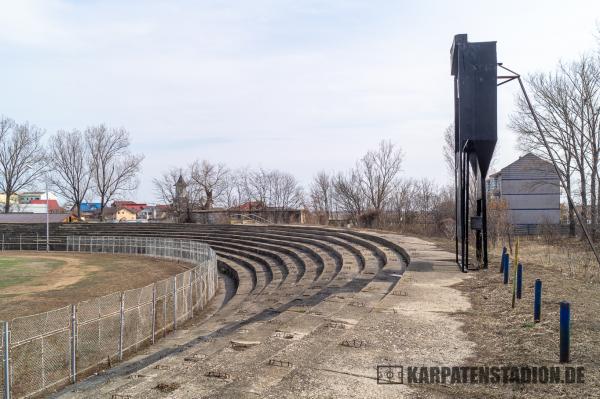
column 15, row 271
column 36, row 283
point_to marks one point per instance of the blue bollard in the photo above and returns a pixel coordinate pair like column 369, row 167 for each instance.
column 519, row 280
column 537, row 301
column 502, row 259
column 506, row 269
column 565, row 316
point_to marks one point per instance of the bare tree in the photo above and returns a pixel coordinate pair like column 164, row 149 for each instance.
column 378, row 173
column 259, row 185
column 234, row 189
column 348, row 194
column 448, row 149
column 321, row 193
column 181, row 203
column 114, row 168
column 212, row 179
column 21, row 157
column 164, row 186
column 557, row 105
column 284, row 190
column 584, row 78
column 69, row 163
column 272, row 188
column 403, row 204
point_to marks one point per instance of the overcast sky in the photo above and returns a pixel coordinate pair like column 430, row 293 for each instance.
column 294, row 85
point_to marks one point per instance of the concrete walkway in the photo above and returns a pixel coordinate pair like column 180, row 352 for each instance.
column 329, row 349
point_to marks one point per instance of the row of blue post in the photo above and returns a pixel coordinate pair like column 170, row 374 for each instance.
column 565, row 307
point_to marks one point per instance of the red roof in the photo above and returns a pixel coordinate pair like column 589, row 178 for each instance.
column 249, row 206
column 133, row 206
column 52, row 204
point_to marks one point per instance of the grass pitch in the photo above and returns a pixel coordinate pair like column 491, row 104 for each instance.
column 18, row 271
column 34, row 282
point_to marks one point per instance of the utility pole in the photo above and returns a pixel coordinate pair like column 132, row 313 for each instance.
column 47, row 218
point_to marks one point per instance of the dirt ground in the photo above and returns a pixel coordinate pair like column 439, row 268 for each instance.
column 50, row 281
column 506, row 336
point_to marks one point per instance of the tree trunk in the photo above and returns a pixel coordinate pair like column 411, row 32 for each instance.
column 593, row 209
column 571, row 210
column 102, row 205
column 9, row 193
column 584, row 202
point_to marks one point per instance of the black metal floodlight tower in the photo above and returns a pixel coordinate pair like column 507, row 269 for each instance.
column 474, row 67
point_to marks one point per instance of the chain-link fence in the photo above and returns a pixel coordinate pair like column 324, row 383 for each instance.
column 32, row 242
column 51, row 349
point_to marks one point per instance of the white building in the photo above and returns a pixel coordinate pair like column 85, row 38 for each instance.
column 531, row 189
column 27, row 197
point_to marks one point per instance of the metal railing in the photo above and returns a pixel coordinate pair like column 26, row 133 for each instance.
column 51, row 349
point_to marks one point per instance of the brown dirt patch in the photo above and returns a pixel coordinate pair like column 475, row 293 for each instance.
column 83, row 276
column 506, row 336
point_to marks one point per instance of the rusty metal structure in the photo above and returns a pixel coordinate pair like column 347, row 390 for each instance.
column 474, row 68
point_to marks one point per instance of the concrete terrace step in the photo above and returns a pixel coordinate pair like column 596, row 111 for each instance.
column 294, row 294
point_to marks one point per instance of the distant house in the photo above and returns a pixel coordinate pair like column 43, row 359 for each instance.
column 249, row 206
column 248, row 213
column 14, row 199
column 530, row 187
column 120, row 214
column 151, row 212
column 339, row 218
column 90, row 207
column 147, row 213
column 27, row 197
column 37, row 206
column 89, row 210
column 134, row 206
column 52, row 204
column 162, row 212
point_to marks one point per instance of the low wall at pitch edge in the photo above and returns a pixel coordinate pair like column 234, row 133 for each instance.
column 51, row 349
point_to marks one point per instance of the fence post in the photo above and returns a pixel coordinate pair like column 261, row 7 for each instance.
column 191, row 297
column 6, row 358
column 502, row 259
column 153, row 311
column 506, row 269
column 537, row 301
column 37, row 242
column 519, row 280
column 73, row 344
column 165, row 312
column 2, row 242
column 565, row 316
column 20, row 242
column 121, row 327
column 174, row 302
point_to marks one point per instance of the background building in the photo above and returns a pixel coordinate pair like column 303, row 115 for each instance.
column 27, row 197
column 531, row 189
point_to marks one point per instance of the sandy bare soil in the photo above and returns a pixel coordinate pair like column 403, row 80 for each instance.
column 79, row 277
